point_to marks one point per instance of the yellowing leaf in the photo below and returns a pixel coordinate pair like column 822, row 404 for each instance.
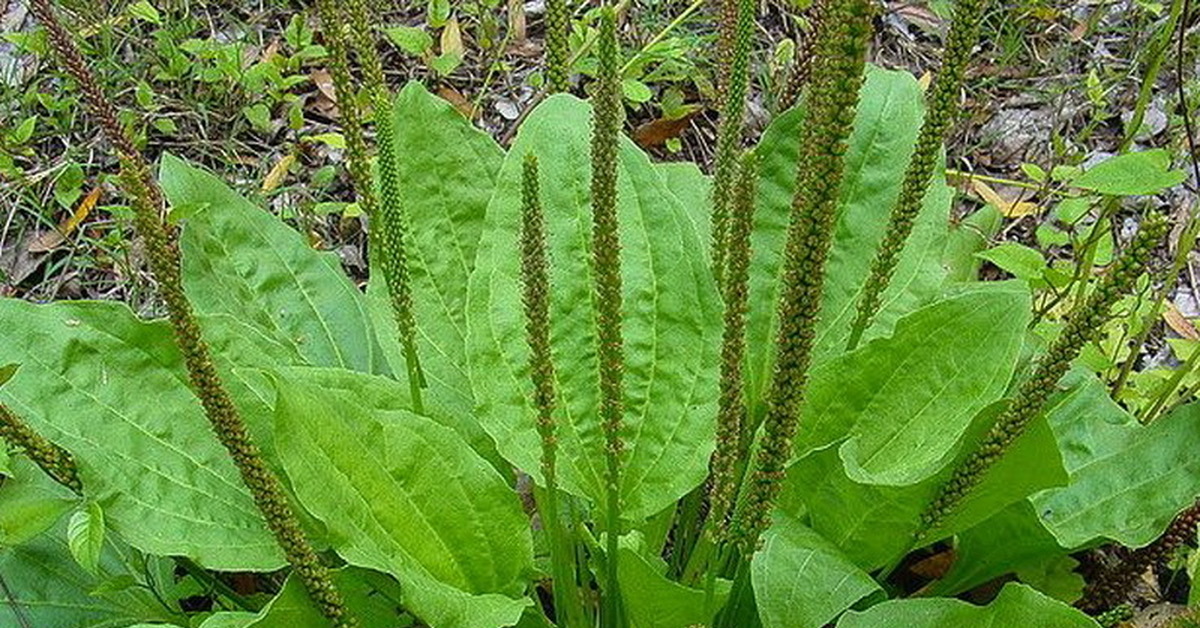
column 1010, row 209
column 277, row 173
column 52, row 239
column 452, row 42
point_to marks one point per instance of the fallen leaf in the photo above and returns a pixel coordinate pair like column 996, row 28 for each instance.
column 270, row 52
column 278, row 173
column 1010, row 209
column 460, row 102
column 1179, row 323
column 324, row 82
column 51, row 240
column 657, row 132
column 516, row 19
column 934, row 567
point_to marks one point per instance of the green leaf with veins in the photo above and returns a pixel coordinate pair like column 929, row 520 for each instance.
column 904, row 401
column 1127, row 480
column 802, row 580
column 406, row 496
column 240, row 260
column 113, row 391
column 671, row 321
column 885, row 131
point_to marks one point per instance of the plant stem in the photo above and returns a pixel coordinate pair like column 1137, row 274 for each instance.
column 1156, row 54
column 536, row 299
column 941, row 109
column 833, row 102
column 162, row 254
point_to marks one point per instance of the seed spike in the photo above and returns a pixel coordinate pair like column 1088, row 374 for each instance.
column 1084, row 324
column 733, row 58
column 833, row 100
column 162, row 253
column 941, row 109
column 732, row 443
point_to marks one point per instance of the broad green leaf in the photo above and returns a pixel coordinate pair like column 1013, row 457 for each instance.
column 874, row 524
column 1127, row 480
column 30, row 503
column 885, row 130
column 1017, row 605
column 652, row 600
column 904, row 401
column 448, row 170
column 411, row 39
column 694, row 190
column 1131, row 174
column 671, row 321
column 1019, row 260
column 801, row 580
column 1013, row 541
column 406, row 496
column 968, row 238
column 240, row 260
column 45, row 587
column 148, row 458
column 85, row 535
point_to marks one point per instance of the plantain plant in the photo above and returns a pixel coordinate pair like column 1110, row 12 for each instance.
column 605, row 427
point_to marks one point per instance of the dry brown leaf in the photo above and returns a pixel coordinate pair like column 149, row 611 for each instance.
column 278, row 173
column 270, row 52
column 934, row 567
column 657, row 132
column 460, row 102
column 1180, row 323
column 51, row 240
column 516, row 20
column 324, row 82
column 1009, row 208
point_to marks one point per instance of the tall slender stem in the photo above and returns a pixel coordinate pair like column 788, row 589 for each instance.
column 833, row 101
column 162, row 253
column 606, row 268
column 536, row 299
column 941, row 109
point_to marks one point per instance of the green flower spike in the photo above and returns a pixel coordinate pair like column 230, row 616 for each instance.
column 54, row 460
column 558, row 27
column 536, row 299
column 388, row 228
column 606, row 268
column 732, row 441
column 1084, row 324
column 162, row 253
column 941, row 108
column 833, row 100
column 735, row 31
